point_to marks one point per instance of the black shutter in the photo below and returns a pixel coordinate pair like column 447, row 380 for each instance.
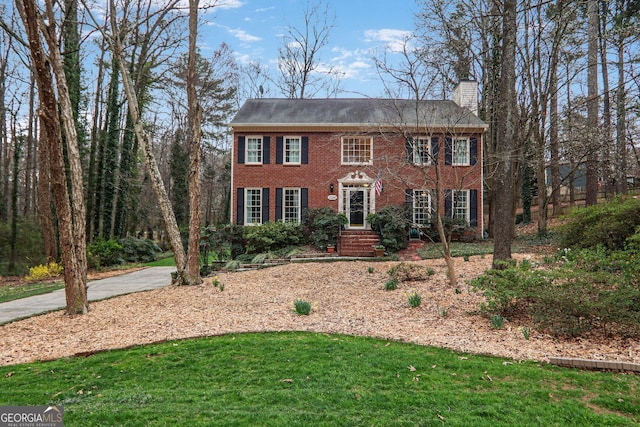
column 240, row 206
column 278, row 204
column 448, row 204
column 448, row 148
column 304, row 204
column 241, row 149
column 473, row 151
column 265, row 205
column 279, row 150
column 434, row 150
column 473, row 208
column 304, row 155
column 408, row 145
column 266, row 150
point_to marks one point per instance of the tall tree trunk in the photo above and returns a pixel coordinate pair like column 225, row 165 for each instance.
column 72, row 238
column 46, row 209
column 13, row 239
column 606, row 143
column 143, row 139
column 621, row 122
column 554, row 142
column 29, row 157
column 592, row 104
column 192, row 272
column 92, row 173
column 4, row 140
column 110, row 153
column 505, row 140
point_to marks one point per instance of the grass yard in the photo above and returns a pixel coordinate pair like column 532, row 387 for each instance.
column 12, row 292
column 303, row 379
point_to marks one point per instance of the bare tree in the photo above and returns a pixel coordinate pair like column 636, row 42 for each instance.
column 116, row 37
column 192, row 271
column 70, row 207
column 506, row 139
column 302, row 75
column 413, row 77
column 592, row 102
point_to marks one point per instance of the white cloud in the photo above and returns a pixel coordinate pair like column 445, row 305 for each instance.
column 394, row 40
column 242, row 35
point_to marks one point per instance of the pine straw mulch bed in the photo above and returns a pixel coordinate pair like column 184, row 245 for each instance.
column 346, row 298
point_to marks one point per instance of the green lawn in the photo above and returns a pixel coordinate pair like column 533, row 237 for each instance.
column 13, row 292
column 304, row 379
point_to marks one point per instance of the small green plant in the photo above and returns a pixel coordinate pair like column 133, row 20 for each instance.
column 45, row 271
column 466, row 258
column 497, row 321
column 414, row 300
column 370, row 270
column 442, row 311
column 391, row 285
column 217, row 283
column 302, row 307
column 405, row 272
column 525, row 332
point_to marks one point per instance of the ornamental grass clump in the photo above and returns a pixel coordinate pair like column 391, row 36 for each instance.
column 302, row 307
column 391, row 285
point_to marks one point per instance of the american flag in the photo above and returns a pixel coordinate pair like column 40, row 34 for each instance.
column 378, row 184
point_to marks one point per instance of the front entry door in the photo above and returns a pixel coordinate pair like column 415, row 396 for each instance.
column 356, row 208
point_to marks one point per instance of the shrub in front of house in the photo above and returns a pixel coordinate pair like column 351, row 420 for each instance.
column 272, row 236
column 575, row 293
column 104, row 253
column 392, row 225
column 322, row 226
column 139, row 250
column 609, row 224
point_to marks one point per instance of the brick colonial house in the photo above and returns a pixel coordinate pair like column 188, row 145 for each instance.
column 356, row 156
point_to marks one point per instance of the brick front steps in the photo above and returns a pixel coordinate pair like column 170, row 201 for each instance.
column 357, row 243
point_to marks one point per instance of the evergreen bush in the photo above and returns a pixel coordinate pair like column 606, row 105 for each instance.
column 392, row 224
column 273, row 236
column 608, row 224
column 323, row 226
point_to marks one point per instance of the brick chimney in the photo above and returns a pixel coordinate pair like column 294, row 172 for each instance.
column 465, row 94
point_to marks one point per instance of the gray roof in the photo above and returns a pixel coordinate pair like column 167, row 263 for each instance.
column 338, row 112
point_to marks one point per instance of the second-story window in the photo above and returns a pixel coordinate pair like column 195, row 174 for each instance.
column 460, row 152
column 254, row 149
column 357, row 150
column 292, row 148
column 421, row 151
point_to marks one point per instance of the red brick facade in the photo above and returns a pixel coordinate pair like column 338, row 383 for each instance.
column 324, row 180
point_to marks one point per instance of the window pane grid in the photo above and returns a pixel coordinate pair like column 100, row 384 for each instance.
column 254, row 150
column 356, row 150
column 461, row 205
column 291, row 205
column 421, row 207
column 421, row 151
column 292, row 150
column 460, row 152
column 254, row 206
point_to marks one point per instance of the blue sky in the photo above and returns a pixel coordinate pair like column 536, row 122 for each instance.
column 254, row 29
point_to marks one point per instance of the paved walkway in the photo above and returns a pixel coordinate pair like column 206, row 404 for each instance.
column 141, row 280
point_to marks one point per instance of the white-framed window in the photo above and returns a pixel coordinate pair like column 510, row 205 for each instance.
column 460, row 152
column 254, row 150
column 292, row 150
column 460, row 199
column 253, row 206
column 421, row 207
column 291, row 205
column 422, row 151
column 357, row 150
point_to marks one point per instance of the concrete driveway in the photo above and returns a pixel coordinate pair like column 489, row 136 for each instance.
column 141, row 280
